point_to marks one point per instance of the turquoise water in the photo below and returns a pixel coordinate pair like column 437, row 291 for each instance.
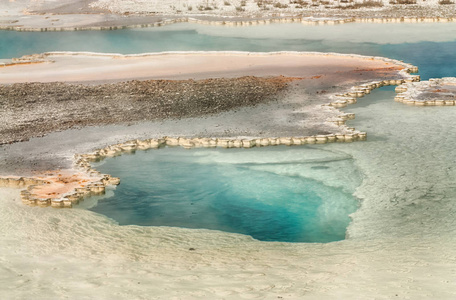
column 268, row 199
column 271, row 196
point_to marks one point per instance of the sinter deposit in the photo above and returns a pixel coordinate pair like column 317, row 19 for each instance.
column 436, row 91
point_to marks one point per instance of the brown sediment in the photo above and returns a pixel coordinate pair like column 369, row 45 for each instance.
column 40, row 108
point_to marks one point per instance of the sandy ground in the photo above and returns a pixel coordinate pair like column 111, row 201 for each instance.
column 23, row 14
column 86, row 256
column 90, row 257
column 90, row 68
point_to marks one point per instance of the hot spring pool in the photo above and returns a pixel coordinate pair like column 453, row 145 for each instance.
column 299, row 194
column 247, row 191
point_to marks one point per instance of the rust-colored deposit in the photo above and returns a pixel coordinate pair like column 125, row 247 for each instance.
column 62, row 188
column 61, row 183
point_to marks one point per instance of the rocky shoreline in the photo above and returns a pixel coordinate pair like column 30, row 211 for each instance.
column 40, row 15
column 35, row 109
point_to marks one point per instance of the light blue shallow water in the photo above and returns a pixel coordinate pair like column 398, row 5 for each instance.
column 269, row 197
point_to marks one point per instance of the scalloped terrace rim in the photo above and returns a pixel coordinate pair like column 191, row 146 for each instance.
column 93, row 182
column 409, row 93
column 220, row 21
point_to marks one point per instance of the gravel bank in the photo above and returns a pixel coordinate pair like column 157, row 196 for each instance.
column 34, row 109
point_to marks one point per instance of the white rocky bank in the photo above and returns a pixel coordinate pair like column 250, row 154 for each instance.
column 225, row 7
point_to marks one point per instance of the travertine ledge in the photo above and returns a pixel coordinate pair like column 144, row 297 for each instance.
column 434, row 92
column 62, row 188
